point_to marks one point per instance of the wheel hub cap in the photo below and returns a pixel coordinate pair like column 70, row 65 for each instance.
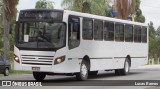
column 126, row 67
column 84, row 70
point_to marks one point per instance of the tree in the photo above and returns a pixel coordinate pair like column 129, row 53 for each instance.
column 125, row 8
column 109, row 11
column 97, row 7
column 9, row 11
column 44, row 4
column 154, row 42
column 1, row 29
column 139, row 16
column 152, row 32
column 158, row 41
column 158, row 32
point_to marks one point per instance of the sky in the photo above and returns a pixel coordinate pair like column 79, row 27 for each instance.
column 150, row 9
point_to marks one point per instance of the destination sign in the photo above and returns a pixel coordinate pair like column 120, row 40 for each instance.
column 41, row 15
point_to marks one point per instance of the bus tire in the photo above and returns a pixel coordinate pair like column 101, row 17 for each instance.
column 93, row 72
column 117, row 71
column 83, row 74
column 126, row 68
column 39, row 76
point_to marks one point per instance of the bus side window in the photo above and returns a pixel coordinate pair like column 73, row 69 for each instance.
column 128, row 33
column 87, row 31
column 119, row 32
column 137, row 34
column 144, row 34
column 108, row 31
column 98, row 30
column 73, row 32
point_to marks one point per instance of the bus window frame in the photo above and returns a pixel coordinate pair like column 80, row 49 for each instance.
column 132, row 32
column 136, row 41
column 118, row 23
column 92, row 28
column 98, row 20
column 113, row 30
column 143, row 34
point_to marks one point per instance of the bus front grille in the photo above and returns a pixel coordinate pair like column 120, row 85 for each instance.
column 37, row 60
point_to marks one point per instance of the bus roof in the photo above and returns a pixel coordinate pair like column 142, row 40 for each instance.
column 90, row 16
column 41, row 10
column 103, row 18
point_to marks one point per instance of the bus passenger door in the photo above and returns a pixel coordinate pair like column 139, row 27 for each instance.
column 74, row 52
column 73, row 32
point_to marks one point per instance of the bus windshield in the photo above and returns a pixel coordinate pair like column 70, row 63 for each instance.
column 41, row 35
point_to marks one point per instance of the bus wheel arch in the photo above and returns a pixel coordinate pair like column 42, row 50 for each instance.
column 87, row 59
column 126, row 69
column 84, row 69
column 127, row 65
column 129, row 59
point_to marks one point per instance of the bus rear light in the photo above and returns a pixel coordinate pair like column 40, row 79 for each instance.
column 59, row 60
column 16, row 58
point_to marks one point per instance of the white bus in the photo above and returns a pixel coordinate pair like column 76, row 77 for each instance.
column 73, row 43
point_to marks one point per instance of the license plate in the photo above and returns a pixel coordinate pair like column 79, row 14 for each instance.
column 35, row 68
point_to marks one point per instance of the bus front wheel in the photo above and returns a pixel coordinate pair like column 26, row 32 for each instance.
column 39, row 76
column 83, row 74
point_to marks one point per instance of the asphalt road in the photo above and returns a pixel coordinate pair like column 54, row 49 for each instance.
column 70, row 82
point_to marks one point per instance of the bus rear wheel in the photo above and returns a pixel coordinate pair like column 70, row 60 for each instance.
column 39, row 76
column 83, row 74
column 126, row 68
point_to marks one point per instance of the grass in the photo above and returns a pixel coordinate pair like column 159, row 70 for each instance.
column 155, row 62
column 13, row 72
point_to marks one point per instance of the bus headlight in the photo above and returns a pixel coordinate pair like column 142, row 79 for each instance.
column 59, row 60
column 16, row 58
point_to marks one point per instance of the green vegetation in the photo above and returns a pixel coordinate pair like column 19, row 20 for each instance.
column 44, row 4
column 97, row 7
column 154, row 43
column 138, row 15
column 13, row 72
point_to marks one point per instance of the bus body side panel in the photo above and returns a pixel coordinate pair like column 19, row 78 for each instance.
column 107, row 55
